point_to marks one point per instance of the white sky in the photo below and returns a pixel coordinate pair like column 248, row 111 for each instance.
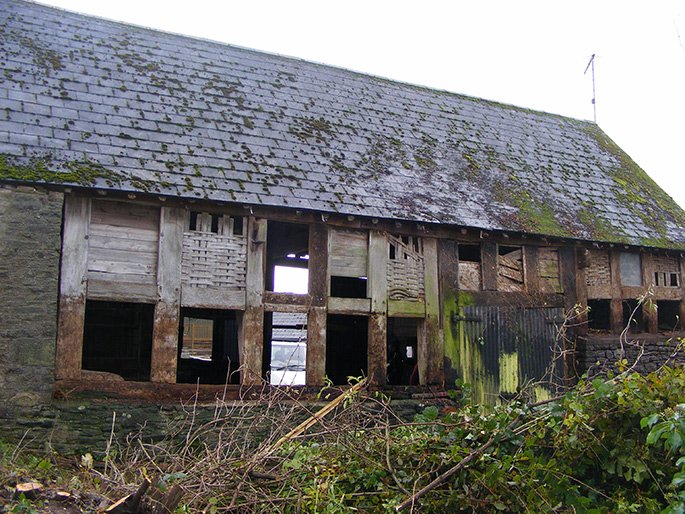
column 527, row 53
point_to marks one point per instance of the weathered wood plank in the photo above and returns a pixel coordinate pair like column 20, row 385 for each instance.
column 351, row 306
column 123, row 278
column 212, row 298
column 72, row 300
column 124, row 214
column 167, row 310
column 434, row 369
column 349, row 253
column 101, row 231
column 252, row 327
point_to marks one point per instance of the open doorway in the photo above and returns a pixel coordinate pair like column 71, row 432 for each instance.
column 402, row 350
column 287, row 257
column 285, row 348
column 117, row 338
column 347, row 341
column 208, row 347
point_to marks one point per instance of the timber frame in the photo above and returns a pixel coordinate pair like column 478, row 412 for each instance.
column 554, row 273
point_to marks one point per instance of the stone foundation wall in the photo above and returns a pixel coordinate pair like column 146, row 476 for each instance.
column 647, row 352
column 30, row 241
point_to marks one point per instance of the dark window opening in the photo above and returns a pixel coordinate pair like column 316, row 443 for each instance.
column 668, row 314
column 402, row 350
column 632, row 316
column 674, row 280
column 469, row 253
column 666, row 279
column 285, row 348
column 117, row 338
column 599, row 314
column 287, row 257
column 346, row 347
column 348, row 287
column 208, row 347
column 506, row 250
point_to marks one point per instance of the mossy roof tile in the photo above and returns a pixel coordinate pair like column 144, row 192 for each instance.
column 128, row 108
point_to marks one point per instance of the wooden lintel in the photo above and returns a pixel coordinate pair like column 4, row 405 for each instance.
column 349, row 306
column 72, row 302
column 406, row 309
column 167, row 310
column 285, row 307
column 286, row 299
column 212, row 298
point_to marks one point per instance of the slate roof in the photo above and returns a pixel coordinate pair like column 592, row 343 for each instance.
column 92, row 102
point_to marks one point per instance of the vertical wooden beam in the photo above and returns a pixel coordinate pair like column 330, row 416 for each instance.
column 489, row 266
column 167, row 310
column 318, row 290
column 531, row 269
column 378, row 321
column 448, row 270
column 252, row 327
column 73, row 283
column 581, row 289
column 568, row 270
column 434, row 347
column 649, row 308
column 616, row 293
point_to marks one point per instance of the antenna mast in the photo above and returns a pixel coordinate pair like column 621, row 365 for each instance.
column 591, row 64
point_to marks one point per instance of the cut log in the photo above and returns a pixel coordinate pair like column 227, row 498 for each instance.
column 29, row 489
column 130, row 504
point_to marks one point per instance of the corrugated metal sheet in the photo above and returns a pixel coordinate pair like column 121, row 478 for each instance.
column 513, row 347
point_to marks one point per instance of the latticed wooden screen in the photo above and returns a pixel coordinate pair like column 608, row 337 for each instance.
column 405, row 268
column 598, row 271
column 214, row 253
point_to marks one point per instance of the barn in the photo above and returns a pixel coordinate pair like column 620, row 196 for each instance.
column 179, row 215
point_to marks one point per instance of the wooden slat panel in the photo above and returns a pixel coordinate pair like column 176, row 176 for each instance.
column 124, row 214
column 139, row 234
column 348, row 253
column 123, row 243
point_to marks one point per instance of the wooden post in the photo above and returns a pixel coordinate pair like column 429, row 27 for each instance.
column 167, row 310
column 681, row 321
column 568, row 270
column 448, row 268
column 616, row 293
column 581, row 289
column 434, row 348
column 378, row 320
column 73, row 283
column 531, row 269
column 252, row 327
column 649, row 309
column 318, row 290
column 489, row 266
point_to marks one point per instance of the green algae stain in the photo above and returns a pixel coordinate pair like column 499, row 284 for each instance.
column 508, row 372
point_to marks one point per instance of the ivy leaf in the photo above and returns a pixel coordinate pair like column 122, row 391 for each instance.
column 648, row 421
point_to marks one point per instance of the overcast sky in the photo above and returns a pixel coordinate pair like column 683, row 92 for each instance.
column 527, row 53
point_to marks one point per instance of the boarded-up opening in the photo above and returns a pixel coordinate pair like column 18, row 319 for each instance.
column 548, row 265
column 599, row 315
column 470, row 267
column 208, row 347
column 287, row 257
column 347, row 340
column 510, row 268
column 348, row 263
column 632, row 316
column 402, row 350
column 668, row 315
column 117, row 338
column 631, row 271
column 285, row 348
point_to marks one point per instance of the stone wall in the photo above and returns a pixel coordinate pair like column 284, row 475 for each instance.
column 30, row 227
column 647, row 352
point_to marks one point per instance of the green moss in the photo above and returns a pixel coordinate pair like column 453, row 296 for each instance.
column 43, row 169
